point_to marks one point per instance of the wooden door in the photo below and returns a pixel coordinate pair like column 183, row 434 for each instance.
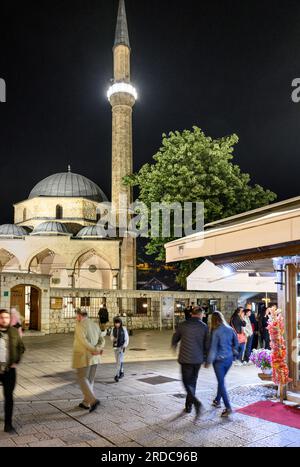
column 34, row 309
column 17, row 299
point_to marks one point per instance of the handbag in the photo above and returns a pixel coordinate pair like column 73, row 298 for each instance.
column 242, row 339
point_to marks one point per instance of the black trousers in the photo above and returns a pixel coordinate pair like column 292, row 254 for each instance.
column 8, row 379
column 189, row 378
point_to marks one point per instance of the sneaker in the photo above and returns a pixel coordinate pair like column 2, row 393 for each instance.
column 8, row 428
column 226, row 413
column 216, row 404
column 188, row 409
column 117, row 378
column 121, row 375
column 198, row 407
column 94, row 406
column 82, row 406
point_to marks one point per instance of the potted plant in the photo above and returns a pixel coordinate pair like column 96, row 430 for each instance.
column 262, row 359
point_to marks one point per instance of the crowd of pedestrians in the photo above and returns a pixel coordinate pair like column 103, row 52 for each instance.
column 219, row 344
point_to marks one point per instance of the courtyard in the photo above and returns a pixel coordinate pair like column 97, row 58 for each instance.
column 144, row 410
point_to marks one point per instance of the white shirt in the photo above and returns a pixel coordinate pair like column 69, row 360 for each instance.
column 4, row 343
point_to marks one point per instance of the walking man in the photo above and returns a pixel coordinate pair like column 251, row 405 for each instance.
column 103, row 318
column 11, row 351
column 193, row 336
column 88, row 347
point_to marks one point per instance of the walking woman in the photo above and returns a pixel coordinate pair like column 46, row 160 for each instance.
column 120, row 339
column 224, row 347
column 238, row 324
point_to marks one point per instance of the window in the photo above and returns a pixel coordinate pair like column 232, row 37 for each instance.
column 85, row 302
column 24, row 214
column 143, row 306
column 59, row 212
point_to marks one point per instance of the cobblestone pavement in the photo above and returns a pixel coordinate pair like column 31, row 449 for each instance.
column 132, row 412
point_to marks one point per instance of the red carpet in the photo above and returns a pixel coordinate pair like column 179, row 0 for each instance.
column 274, row 412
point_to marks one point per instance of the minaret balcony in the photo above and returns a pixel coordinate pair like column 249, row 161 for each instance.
column 122, row 88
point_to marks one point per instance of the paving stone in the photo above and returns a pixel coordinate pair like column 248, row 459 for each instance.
column 79, row 445
column 55, row 443
column 7, row 443
column 294, row 445
column 100, row 443
column 271, row 441
column 25, row 439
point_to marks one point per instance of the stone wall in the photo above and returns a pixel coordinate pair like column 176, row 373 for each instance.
column 59, row 323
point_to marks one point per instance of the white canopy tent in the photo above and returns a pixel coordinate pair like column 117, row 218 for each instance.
column 211, row 278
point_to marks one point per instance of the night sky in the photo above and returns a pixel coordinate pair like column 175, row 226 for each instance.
column 224, row 65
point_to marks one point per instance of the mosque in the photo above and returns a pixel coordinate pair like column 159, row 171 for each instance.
column 54, row 258
column 55, row 242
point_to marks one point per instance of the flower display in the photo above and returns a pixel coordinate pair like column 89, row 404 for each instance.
column 262, row 359
column 279, row 365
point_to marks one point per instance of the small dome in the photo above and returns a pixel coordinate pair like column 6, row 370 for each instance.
column 12, row 231
column 92, row 231
column 68, row 185
column 50, row 228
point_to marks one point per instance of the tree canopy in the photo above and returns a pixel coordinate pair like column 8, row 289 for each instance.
column 192, row 167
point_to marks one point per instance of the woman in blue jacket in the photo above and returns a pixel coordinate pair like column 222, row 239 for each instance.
column 224, row 347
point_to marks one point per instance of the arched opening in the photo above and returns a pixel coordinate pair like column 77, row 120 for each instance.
column 59, row 212
column 50, row 263
column 8, row 261
column 92, row 272
column 27, row 300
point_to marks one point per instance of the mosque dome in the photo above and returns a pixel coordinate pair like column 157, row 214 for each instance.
column 68, row 185
column 92, row 231
column 50, row 228
column 12, row 231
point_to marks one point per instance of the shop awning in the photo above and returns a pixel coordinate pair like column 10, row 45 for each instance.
column 264, row 233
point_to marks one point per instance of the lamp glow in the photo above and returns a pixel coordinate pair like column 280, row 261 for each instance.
column 122, row 87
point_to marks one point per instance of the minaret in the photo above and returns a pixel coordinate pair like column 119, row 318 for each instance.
column 122, row 97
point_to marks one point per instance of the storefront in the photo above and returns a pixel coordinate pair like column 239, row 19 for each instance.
column 293, row 321
column 254, row 240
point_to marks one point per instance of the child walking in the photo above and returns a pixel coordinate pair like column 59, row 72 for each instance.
column 120, row 339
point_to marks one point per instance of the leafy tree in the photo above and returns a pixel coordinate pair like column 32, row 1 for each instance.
column 191, row 167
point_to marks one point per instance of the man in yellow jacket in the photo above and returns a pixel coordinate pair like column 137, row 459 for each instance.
column 87, row 351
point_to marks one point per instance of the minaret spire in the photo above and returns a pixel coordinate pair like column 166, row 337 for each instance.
column 122, row 36
column 122, row 96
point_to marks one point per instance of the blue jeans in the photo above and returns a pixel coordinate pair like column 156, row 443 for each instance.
column 119, row 356
column 241, row 351
column 221, row 368
column 248, row 348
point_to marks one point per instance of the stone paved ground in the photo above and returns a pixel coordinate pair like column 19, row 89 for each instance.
column 133, row 412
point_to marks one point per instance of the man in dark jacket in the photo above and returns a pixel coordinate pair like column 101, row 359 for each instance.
column 194, row 339
column 11, row 350
column 103, row 318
